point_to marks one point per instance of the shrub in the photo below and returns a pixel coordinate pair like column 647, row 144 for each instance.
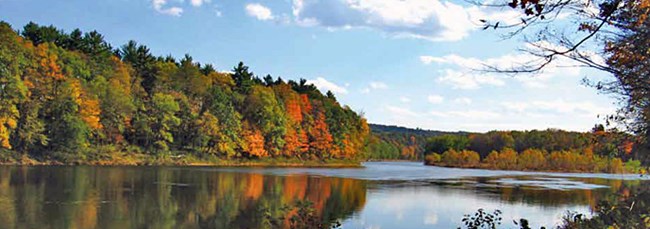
column 432, row 159
column 451, row 158
column 615, row 166
column 492, row 159
column 633, row 166
column 507, row 159
column 469, row 158
column 531, row 159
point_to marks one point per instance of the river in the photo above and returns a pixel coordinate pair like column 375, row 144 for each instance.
column 380, row 195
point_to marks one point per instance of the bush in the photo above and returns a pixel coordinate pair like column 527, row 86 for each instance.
column 451, row 158
column 628, row 211
column 633, row 166
column 8, row 156
column 432, row 159
column 615, row 166
column 469, row 158
column 507, row 159
column 531, row 159
column 492, row 159
column 465, row 158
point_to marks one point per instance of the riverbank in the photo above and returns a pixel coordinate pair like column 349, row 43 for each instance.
column 127, row 159
column 626, row 169
column 640, row 171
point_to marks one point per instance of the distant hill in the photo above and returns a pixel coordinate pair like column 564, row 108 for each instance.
column 378, row 128
column 396, row 142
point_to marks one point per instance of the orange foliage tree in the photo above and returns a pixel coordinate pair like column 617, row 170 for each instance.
column 254, row 142
column 320, row 137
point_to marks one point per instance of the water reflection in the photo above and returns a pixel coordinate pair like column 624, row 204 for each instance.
column 442, row 203
column 87, row 197
column 169, row 197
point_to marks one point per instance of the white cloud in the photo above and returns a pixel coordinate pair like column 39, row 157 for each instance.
column 466, row 114
column 463, row 100
column 378, row 85
column 515, row 106
column 159, row 6
column 466, row 72
column 259, row 11
column 198, row 3
column 433, row 20
column 324, row 85
column 558, row 106
column 438, row 114
column 435, row 99
column 404, row 99
column 564, row 107
column 474, row 114
column 400, row 111
column 375, row 85
column 431, row 59
column 468, row 81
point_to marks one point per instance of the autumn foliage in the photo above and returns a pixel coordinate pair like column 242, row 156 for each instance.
column 533, row 160
column 73, row 97
column 599, row 150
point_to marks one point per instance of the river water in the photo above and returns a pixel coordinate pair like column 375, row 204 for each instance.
column 380, row 195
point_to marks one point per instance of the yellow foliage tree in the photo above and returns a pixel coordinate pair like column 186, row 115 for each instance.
column 531, row 159
column 492, row 159
column 507, row 159
column 89, row 109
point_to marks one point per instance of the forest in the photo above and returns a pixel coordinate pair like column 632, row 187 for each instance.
column 72, row 98
column 600, row 150
column 398, row 143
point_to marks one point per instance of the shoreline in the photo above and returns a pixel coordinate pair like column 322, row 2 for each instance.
column 146, row 161
column 529, row 170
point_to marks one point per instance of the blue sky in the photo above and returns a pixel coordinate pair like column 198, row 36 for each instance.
column 401, row 62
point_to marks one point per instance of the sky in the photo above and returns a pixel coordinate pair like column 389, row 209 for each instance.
column 400, row 62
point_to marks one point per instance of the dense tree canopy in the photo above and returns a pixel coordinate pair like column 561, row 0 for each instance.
column 557, row 150
column 64, row 96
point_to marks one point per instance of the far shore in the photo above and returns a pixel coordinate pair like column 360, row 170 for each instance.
column 147, row 160
column 486, row 167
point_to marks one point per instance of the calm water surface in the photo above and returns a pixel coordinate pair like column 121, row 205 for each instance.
column 381, row 195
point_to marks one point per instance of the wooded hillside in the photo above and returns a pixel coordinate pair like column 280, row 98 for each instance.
column 72, row 97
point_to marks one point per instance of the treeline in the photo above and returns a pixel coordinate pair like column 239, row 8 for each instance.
column 398, row 143
column 73, row 97
column 553, row 150
column 534, row 160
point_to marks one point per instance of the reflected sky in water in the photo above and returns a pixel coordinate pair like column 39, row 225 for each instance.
column 418, row 171
column 381, row 195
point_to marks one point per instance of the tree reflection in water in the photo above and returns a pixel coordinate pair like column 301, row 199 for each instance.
column 131, row 197
column 170, row 197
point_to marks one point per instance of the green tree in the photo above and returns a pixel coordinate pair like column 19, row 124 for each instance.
column 13, row 91
column 442, row 143
column 243, row 78
column 66, row 130
column 164, row 109
column 142, row 61
column 209, row 133
column 221, row 106
column 264, row 110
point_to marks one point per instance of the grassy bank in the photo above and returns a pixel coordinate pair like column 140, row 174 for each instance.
column 140, row 159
